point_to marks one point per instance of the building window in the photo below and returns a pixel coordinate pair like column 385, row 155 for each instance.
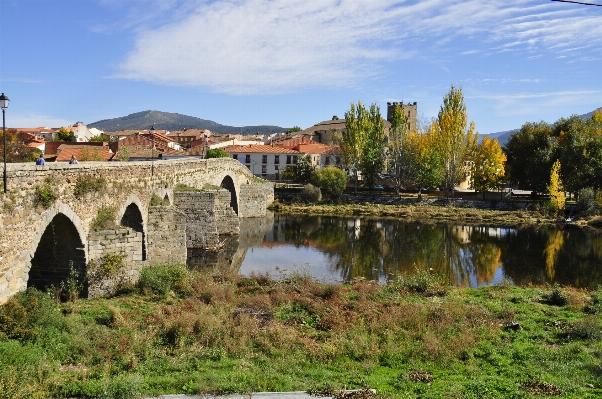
column 327, row 161
column 264, row 169
column 235, row 156
column 264, row 159
column 247, row 158
column 288, row 159
column 294, row 159
column 338, row 160
column 276, row 159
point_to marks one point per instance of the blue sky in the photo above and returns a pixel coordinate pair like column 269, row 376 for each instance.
column 297, row 62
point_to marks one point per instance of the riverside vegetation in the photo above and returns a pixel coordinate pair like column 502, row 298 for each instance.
column 182, row 331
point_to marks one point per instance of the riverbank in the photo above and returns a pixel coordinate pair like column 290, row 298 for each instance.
column 463, row 211
column 199, row 333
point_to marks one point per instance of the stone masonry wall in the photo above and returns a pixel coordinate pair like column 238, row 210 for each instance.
column 166, row 235
column 23, row 220
column 126, row 242
column 256, row 199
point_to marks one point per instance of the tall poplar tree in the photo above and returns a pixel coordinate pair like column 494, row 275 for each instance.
column 401, row 158
column 488, row 166
column 373, row 146
column 457, row 140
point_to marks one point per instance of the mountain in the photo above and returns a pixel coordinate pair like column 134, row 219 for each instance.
column 503, row 137
column 173, row 122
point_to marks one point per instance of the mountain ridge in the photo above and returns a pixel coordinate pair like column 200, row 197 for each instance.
column 173, row 121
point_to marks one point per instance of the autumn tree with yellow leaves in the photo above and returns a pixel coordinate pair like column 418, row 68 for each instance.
column 557, row 198
column 457, row 140
column 488, row 166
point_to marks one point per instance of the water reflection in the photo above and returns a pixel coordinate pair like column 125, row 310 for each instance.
column 340, row 249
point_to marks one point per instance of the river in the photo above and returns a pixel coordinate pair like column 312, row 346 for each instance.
column 340, row 249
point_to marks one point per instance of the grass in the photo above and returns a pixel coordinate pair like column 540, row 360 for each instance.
column 204, row 334
column 432, row 213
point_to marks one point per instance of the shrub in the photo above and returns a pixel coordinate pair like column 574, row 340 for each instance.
column 158, row 201
column 26, row 312
column 86, row 184
column 104, row 219
column 72, row 286
column 161, row 279
column 311, row 193
column 586, row 201
column 331, row 181
column 557, row 297
column 45, row 194
column 217, row 153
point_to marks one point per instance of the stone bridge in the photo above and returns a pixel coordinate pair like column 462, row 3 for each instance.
column 60, row 219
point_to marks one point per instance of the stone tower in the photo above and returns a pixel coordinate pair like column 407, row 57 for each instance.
column 409, row 109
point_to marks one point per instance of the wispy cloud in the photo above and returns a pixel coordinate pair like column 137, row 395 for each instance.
column 35, row 120
column 22, row 80
column 274, row 46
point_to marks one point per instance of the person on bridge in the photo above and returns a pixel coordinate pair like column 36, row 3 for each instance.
column 40, row 160
column 73, row 160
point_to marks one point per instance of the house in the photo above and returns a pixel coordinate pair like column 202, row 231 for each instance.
column 267, row 161
column 40, row 133
column 51, row 147
column 80, row 132
column 325, row 132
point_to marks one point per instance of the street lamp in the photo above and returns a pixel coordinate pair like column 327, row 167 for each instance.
column 4, row 105
column 152, row 133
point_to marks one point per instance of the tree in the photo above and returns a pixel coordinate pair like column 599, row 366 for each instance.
column 100, row 138
column 123, row 154
column 557, row 199
column 530, row 151
column 16, row 150
column 303, row 169
column 400, row 157
column 64, row 135
column 217, row 153
column 488, row 167
column 88, row 154
column 373, row 147
column 293, row 129
column 363, row 144
column 457, row 140
column 331, row 181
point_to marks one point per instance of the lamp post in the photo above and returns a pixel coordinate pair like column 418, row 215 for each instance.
column 4, row 104
column 152, row 133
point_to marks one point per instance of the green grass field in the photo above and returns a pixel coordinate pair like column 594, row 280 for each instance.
column 201, row 333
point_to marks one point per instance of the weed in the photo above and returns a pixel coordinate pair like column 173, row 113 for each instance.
column 71, row 287
column 45, row 194
column 87, row 184
column 161, row 279
column 105, row 218
column 158, row 201
column 557, row 297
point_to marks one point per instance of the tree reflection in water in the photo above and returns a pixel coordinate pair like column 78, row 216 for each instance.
column 467, row 256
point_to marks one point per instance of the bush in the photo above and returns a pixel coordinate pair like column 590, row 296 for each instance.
column 161, row 279
column 311, row 193
column 586, row 201
column 45, row 194
column 331, row 181
column 105, row 218
column 557, row 297
column 217, row 153
column 27, row 312
column 86, row 184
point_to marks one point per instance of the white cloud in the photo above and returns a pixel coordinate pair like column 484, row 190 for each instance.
column 30, row 120
column 275, row 46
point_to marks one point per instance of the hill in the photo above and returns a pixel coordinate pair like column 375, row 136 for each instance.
column 503, row 137
column 172, row 121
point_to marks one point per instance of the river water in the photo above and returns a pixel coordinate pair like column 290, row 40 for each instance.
column 339, row 249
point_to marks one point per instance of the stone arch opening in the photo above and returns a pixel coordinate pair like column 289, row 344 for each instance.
column 132, row 218
column 59, row 251
column 228, row 184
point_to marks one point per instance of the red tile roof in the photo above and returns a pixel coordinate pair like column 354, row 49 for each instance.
column 67, row 151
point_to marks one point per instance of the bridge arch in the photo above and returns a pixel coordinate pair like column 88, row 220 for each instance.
column 59, row 244
column 228, row 184
column 131, row 215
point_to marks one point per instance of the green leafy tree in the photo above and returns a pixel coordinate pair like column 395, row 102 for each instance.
column 293, row 129
column 100, row 138
column 488, row 166
column 303, row 169
column 402, row 156
column 331, row 181
column 457, row 139
column 363, row 144
column 64, row 135
column 123, row 154
column 530, row 152
column 217, row 153
column 557, row 198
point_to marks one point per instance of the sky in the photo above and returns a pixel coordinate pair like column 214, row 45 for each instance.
column 297, row 62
